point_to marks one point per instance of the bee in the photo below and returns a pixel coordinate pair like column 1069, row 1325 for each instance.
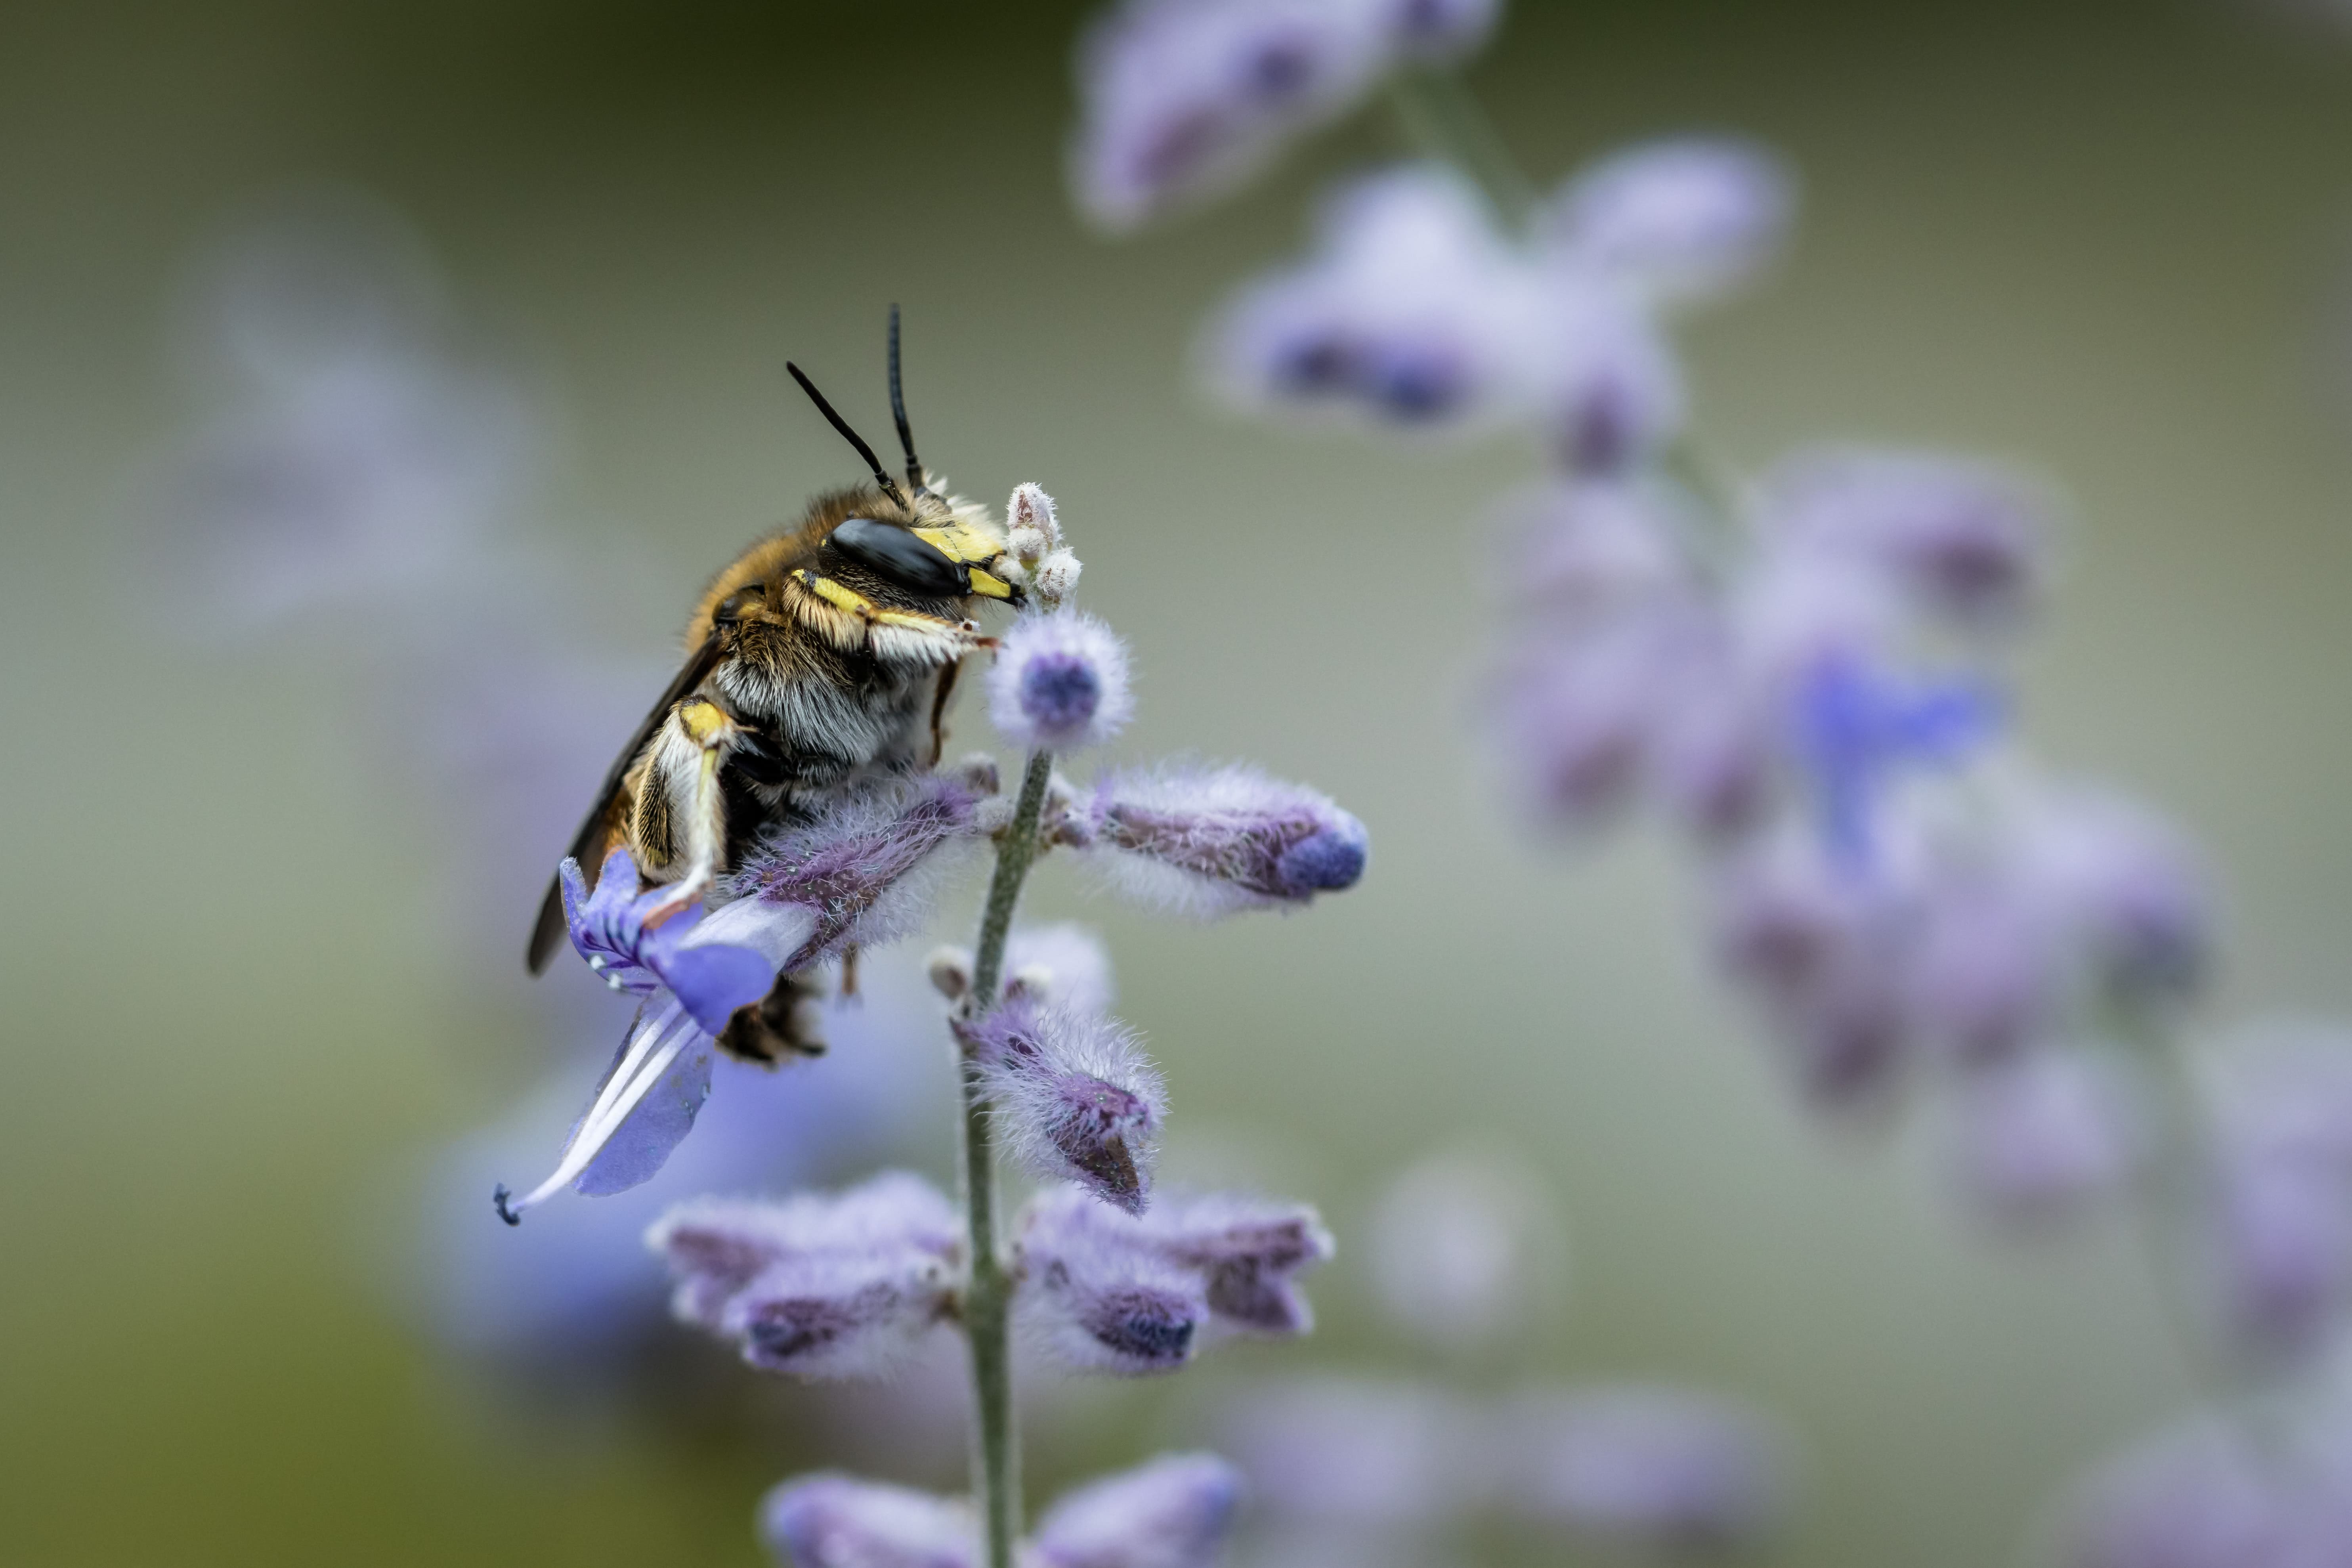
column 821, row 660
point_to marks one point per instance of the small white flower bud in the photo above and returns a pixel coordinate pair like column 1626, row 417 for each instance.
column 1056, row 578
column 950, row 969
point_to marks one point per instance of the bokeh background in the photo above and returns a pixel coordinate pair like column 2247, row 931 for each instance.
column 245, row 1003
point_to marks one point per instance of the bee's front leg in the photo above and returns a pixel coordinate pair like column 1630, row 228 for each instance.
column 678, row 828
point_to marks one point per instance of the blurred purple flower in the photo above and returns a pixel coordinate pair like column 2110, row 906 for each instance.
column 1209, row 841
column 1412, row 311
column 1987, row 960
column 1356, row 1451
column 1857, row 725
column 838, row 1521
column 2201, row 1495
column 2281, row 1209
column 1607, row 392
column 1059, row 683
column 1575, row 551
column 1963, row 541
column 1465, row 1249
column 1185, row 100
column 1657, row 1467
column 2043, row 1134
column 2129, row 887
column 819, row 1286
column 1074, row 1094
column 1682, row 221
column 1173, row 1511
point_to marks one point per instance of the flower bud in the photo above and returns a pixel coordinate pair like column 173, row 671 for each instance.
column 1651, row 1466
column 816, row 1286
column 1209, row 841
column 2129, row 889
column 1059, row 683
column 1075, row 1096
column 1063, row 965
column 2041, row 1134
column 1173, row 1511
column 1680, row 221
column 838, row 1521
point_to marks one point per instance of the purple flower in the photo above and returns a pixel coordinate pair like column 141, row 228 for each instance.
column 1172, row 1513
column 2043, row 1134
column 608, row 928
column 1651, row 1466
column 838, row 1521
column 2129, row 889
column 1185, row 100
column 1680, row 221
column 1856, row 725
column 1211, row 841
column 1607, row 392
column 2281, row 1207
column 1354, row 1450
column 1576, row 551
column 2199, row 1495
column 1412, row 311
column 1074, row 1095
column 1110, row 1291
column 1961, row 540
column 818, row 1286
column 1059, row 683
column 1987, row 960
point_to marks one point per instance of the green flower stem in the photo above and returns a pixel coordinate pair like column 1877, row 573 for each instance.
column 987, row 1308
column 1442, row 118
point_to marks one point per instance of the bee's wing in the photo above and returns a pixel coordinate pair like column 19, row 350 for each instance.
column 550, row 930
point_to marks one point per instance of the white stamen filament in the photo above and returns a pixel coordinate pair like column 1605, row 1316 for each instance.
column 655, row 1045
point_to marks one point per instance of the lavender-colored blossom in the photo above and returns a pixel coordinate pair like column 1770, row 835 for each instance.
column 1209, row 841
column 1682, row 221
column 815, row 1285
column 1856, row 725
column 1347, row 1450
column 861, row 875
column 1074, row 1095
column 2282, row 1206
column 608, row 928
column 1651, row 1466
column 1962, row 540
column 2130, row 889
column 1574, row 550
column 1607, row 392
column 1098, row 1304
column 2199, row 1495
column 1412, row 311
column 1059, row 683
column 1173, row 1511
column 1464, row 1249
column 839, row 1522
column 1184, row 99
column 1986, row 960
column 2043, row 1134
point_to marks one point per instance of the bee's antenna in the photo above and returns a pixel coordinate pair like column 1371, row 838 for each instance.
column 898, row 408
column 889, row 486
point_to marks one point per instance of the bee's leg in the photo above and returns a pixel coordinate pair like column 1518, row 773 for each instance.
column 787, row 1022
column 849, row 970
column 678, row 829
column 940, row 696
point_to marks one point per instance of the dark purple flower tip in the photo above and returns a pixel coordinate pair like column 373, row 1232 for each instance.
column 1142, row 1329
column 1060, row 692
column 1078, row 1098
column 1330, row 860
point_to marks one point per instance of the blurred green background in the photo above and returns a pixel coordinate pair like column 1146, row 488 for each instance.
column 2105, row 238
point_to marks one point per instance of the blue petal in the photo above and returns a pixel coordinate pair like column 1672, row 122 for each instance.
column 644, row 1141
column 714, row 981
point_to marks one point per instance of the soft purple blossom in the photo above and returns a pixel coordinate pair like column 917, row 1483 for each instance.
column 1857, row 725
column 2128, row 886
column 1577, row 550
column 1987, row 961
column 1680, row 221
column 1074, row 1094
column 1651, row 1466
column 2041, row 1134
column 861, row 875
column 1209, row 841
column 1349, row 1450
column 1606, row 389
column 2282, row 1204
column 2203, row 1495
column 1184, row 99
column 838, row 1521
column 820, row 1286
column 1059, row 683
column 1173, row 1511
column 1411, row 311
column 1106, row 1290
column 609, row 930
column 1962, row 540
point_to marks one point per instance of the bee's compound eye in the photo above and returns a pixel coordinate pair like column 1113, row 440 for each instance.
column 912, row 562
column 734, row 607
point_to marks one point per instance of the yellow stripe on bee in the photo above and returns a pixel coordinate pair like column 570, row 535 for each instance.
column 867, row 610
column 959, row 544
column 989, row 587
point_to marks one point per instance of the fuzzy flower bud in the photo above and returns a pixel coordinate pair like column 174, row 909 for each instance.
column 1172, row 1513
column 838, row 1521
column 1059, row 683
column 1074, row 1094
column 1064, row 965
column 1680, row 221
column 2040, row 1136
column 1185, row 100
column 2130, row 890
column 1209, row 841
column 1652, row 1466
column 1108, row 1291
column 1608, row 391
column 817, row 1286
